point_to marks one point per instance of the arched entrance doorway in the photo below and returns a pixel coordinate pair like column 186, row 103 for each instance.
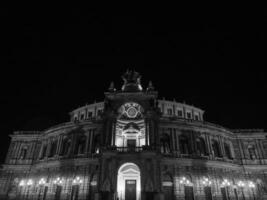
column 129, row 182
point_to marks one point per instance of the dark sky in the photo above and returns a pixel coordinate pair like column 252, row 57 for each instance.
column 55, row 60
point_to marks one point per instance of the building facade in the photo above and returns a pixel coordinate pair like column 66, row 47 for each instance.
column 134, row 146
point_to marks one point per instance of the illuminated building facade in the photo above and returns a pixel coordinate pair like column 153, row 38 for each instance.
column 133, row 146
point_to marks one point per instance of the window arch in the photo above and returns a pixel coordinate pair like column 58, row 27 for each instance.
column 165, row 144
column 43, row 153
column 65, row 150
column 184, row 144
column 227, row 150
column 23, row 153
column 201, row 146
column 96, row 144
column 53, row 148
column 251, row 152
column 216, row 148
column 80, row 145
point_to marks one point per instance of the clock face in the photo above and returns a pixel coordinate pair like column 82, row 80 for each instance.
column 131, row 112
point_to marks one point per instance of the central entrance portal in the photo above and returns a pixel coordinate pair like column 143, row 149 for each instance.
column 128, row 184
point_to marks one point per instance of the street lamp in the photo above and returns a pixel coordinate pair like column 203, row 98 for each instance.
column 22, row 183
column 185, row 181
column 252, row 186
column 58, row 181
column 206, row 182
column 207, row 187
column 40, row 183
column 29, row 183
column 77, row 181
column 226, row 184
column 241, row 185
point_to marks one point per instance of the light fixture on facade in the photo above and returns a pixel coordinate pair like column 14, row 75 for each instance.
column 29, row 182
column 77, row 180
column 185, row 181
column 225, row 183
column 206, row 181
column 22, row 183
column 93, row 183
column 58, row 181
column 251, row 184
column 41, row 181
column 240, row 184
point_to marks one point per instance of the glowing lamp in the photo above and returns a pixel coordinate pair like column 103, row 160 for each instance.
column 206, row 181
column 185, row 181
column 77, row 180
column 93, row 183
column 41, row 181
column 22, row 183
column 226, row 183
column 58, row 181
column 251, row 184
column 29, row 182
column 240, row 184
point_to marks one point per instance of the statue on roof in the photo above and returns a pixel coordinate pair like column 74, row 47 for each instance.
column 132, row 81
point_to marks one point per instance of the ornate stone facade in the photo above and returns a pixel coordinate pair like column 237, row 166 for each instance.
column 135, row 146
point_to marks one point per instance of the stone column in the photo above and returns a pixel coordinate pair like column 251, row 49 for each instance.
column 177, row 133
column 146, row 130
column 91, row 136
column 113, row 132
column 17, row 150
column 210, row 150
column 59, row 142
column 222, row 146
column 172, row 139
column 86, row 142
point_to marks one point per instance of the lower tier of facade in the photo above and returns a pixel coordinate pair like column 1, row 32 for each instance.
column 131, row 177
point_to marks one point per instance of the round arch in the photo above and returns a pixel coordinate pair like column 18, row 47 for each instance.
column 129, row 176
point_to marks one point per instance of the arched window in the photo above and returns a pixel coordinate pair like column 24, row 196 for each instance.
column 53, row 148
column 43, row 154
column 251, row 152
column 96, row 144
column 65, row 150
column 184, row 145
column 201, row 146
column 165, row 144
column 80, row 145
column 216, row 148
column 23, row 153
column 228, row 151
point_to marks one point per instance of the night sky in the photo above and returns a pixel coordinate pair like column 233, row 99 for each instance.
column 55, row 60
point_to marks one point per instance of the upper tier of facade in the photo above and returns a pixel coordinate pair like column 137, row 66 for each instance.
column 167, row 109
